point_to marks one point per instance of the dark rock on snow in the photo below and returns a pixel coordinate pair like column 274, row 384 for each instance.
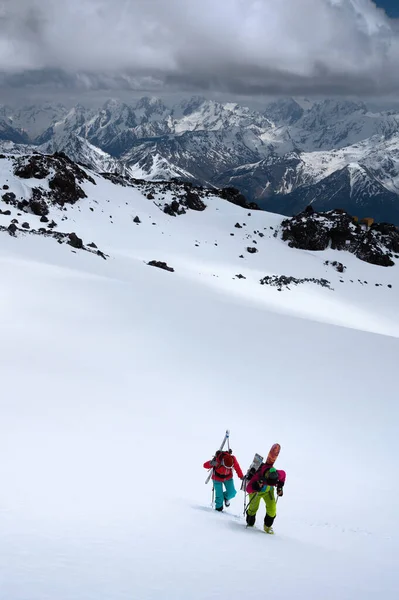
column 9, row 198
column 190, row 200
column 174, row 208
column 160, row 265
column 234, row 196
column 75, row 241
column 338, row 266
column 317, row 231
column 281, row 281
column 65, row 176
column 194, row 202
column 37, row 204
column 70, row 238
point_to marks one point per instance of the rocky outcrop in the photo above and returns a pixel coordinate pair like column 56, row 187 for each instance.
column 161, row 265
column 185, row 195
column 64, row 177
column 9, row 198
column 194, row 202
column 282, row 281
column 65, row 188
column 62, row 238
column 174, row 208
column 37, row 205
column 338, row 266
column 315, row 231
column 33, row 167
column 75, row 241
column 188, row 200
column 234, row 196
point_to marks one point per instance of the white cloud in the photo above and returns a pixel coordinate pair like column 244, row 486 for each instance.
column 258, row 45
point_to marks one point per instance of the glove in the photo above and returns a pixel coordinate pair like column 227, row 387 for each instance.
column 280, row 491
column 214, row 463
column 258, row 485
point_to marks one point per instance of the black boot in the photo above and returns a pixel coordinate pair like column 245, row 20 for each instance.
column 269, row 520
column 250, row 520
column 219, row 509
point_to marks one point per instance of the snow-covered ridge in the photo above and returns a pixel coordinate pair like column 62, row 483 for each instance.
column 48, row 181
column 36, row 182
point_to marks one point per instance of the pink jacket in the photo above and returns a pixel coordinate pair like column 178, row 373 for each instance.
column 253, row 484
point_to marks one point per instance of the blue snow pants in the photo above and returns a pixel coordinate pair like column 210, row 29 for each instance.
column 221, row 495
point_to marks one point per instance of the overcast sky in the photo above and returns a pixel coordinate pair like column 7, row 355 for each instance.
column 249, row 47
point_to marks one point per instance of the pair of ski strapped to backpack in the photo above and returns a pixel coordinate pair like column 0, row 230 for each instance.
column 226, row 439
column 254, row 467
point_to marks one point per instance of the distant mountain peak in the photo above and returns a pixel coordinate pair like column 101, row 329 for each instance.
column 285, row 111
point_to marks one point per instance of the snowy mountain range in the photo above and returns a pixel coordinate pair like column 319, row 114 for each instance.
column 334, row 153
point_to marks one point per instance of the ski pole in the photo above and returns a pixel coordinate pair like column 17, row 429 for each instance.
column 207, row 480
column 249, row 503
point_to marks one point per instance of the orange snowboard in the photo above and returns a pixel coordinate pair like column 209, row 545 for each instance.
column 273, row 454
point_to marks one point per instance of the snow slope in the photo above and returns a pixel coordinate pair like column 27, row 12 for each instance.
column 119, row 380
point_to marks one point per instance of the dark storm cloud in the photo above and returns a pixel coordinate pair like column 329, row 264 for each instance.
column 271, row 82
column 241, row 46
column 60, row 79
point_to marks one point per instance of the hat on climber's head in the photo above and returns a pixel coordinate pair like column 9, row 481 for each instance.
column 271, row 476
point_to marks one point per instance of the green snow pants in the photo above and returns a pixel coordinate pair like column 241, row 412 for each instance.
column 270, row 501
